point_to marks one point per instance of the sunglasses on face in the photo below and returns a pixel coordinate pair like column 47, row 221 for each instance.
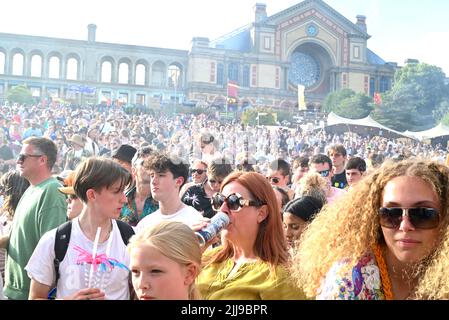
column 234, row 201
column 420, row 218
column 273, row 180
column 213, row 181
column 199, row 171
column 324, row 173
column 22, row 157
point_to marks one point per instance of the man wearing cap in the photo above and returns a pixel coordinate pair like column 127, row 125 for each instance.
column 74, row 204
column 124, row 156
column 76, row 153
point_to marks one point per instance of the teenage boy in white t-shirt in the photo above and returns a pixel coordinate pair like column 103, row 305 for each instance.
column 100, row 184
column 168, row 174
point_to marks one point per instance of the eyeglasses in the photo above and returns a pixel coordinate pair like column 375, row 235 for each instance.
column 420, row 218
column 199, row 171
column 324, row 173
column 22, row 157
column 213, row 181
column 273, row 180
column 234, row 202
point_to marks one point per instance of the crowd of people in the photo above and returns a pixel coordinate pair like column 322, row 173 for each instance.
column 93, row 197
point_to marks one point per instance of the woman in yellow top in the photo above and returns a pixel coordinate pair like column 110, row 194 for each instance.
column 251, row 263
column 387, row 239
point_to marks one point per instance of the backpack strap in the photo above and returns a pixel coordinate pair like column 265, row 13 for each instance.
column 62, row 240
column 126, row 231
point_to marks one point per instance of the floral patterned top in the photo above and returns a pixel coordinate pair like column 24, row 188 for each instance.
column 361, row 282
column 129, row 212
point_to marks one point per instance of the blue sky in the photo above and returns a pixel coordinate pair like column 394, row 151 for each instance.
column 400, row 29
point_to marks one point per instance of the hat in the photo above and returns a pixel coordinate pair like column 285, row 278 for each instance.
column 76, row 138
column 207, row 138
column 125, row 153
column 68, row 184
column 305, row 208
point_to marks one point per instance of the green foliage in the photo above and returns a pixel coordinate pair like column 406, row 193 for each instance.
column 333, row 100
column 249, row 117
column 357, row 106
column 423, row 86
column 20, row 95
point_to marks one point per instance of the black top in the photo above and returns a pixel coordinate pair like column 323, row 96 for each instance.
column 339, row 180
column 196, row 197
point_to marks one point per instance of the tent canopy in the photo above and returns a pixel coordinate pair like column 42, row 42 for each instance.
column 367, row 126
column 439, row 131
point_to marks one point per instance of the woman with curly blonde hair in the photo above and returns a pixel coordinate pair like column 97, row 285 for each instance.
column 387, row 239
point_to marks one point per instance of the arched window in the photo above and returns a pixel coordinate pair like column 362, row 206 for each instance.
column 384, row 85
column 36, row 66
column 17, row 64
column 2, row 62
column 220, row 74
column 233, row 72
column 158, row 74
column 123, row 73
column 72, row 69
column 106, row 72
column 141, row 71
column 54, row 70
column 174, row 76
column 245, row 80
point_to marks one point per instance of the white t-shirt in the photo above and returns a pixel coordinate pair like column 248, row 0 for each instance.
column 187, row 215
column 111, row 276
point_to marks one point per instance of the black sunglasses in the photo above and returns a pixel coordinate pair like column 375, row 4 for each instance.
column 199, row 171
column 324, row 173
column 420, row 218
column 274, row 180
column 234, row 202
column 213, row 181
column 22, row 157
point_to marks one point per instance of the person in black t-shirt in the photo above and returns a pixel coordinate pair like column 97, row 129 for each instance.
column 338, row 155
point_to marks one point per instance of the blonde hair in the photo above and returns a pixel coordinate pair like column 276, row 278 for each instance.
column 312, row 185
column 349, row 229
column 176, row 241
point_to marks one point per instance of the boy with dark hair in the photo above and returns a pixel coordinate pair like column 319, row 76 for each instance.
column 168, row 174
column 338, row 155
column 355, row 169
column 94, row 263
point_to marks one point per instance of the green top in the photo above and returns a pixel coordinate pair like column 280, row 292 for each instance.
column 40, row 209
column 252, row 281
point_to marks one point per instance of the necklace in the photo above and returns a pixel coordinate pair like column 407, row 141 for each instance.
column 385, row 278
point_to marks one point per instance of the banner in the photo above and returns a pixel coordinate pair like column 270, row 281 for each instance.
column 377, row 98
column 233, row 89
column 301, row 97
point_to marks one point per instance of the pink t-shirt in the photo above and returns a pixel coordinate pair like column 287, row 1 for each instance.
column 335, row 194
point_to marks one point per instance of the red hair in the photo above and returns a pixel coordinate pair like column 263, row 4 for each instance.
column 270, row 245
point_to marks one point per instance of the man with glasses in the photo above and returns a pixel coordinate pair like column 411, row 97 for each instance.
column 322, row 164
column 278, row 175
column 199, row 195
column 41, row 208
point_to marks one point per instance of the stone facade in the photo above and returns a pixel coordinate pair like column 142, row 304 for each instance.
column 308, row 44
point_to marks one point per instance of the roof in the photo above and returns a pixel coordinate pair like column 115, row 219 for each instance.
column 374, row 58
column 439, row 131
column 239, row 39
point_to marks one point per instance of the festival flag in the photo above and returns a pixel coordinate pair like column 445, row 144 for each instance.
column 301, row 97
column 377, row 98
column 233, row 89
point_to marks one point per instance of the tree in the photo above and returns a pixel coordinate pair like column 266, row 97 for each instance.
column 266, row 117
column 333, row 100
column 357, row 106
column 423, row 86
column 20, row 95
